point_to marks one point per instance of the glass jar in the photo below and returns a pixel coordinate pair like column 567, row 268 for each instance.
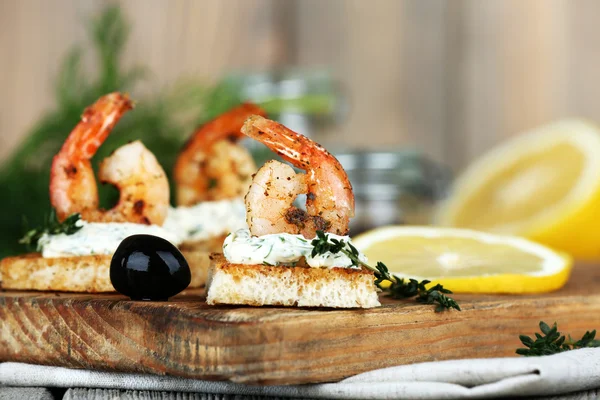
column 399, row 187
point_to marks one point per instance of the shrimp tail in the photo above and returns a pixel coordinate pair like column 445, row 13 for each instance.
column 329, row 196
column 211, row 165
column 72, row 182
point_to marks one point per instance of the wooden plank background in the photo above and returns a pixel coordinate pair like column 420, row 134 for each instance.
column 449, row 77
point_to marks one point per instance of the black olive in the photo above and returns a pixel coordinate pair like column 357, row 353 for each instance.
column 146, row 267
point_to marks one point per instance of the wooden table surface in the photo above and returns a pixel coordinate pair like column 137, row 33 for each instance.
column 269, row 345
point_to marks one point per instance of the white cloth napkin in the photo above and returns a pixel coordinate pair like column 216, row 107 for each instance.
column 566, row 372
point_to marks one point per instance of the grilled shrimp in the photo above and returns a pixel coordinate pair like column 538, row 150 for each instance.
column 212, row 166
column 329, row 197
column 133, row 169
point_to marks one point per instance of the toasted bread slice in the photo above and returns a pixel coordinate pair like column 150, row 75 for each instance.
column 259, row 285
column 199, row 262
column 212, row 245
column 198, row 257
column 89, row 274
column 73, row 274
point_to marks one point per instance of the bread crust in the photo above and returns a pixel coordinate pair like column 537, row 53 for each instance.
column 259, row 285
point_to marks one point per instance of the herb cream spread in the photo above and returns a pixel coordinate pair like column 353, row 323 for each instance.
column 206, row 220
column 97, row 238
column 240, row 247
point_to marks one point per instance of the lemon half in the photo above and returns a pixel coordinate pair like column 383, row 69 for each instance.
column 466, row 261
column 544, row 185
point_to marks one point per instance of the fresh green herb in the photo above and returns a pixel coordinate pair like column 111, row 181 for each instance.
column 401, row 289
column 269, row 253
column 194, row 231
column 398, row 288
column 552, row 342
column 267, row 264
column 437, row 294
column 52, row 226
column 212, row 183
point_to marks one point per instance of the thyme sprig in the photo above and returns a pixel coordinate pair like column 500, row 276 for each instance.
column 398, row 288
column 552, row 342
column 52, row 226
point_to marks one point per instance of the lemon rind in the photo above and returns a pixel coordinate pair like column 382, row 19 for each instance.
column 583, row 134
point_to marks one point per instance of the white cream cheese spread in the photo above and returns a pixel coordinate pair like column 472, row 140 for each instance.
column 240, row 247
column 97, row 238
column 206, row 220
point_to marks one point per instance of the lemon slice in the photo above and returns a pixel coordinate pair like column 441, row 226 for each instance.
column 544, row 185
column 466, row 261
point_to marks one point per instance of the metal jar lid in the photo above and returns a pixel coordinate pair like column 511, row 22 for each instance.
column 389, row 186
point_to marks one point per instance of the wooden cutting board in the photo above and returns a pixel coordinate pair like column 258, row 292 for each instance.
column 269, row 345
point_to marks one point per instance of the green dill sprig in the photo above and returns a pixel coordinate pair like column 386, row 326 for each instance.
column 552, row 342
column 398, row 288
column 52, row 226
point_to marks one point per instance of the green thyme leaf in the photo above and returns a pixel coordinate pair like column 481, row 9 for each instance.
column 394, row 287
column 552, row 342
column 213, row 183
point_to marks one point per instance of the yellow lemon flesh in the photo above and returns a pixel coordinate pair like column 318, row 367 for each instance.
column 544, row 185
column 466, row 261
